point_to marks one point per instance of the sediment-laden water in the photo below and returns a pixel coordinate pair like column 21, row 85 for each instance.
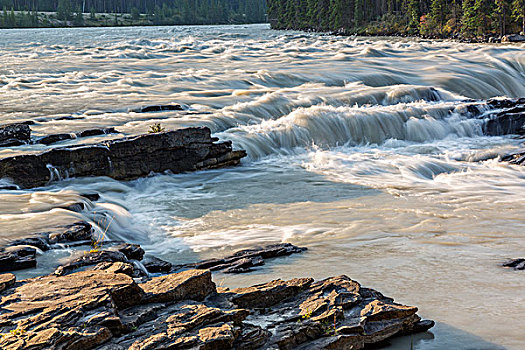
column 353, row 153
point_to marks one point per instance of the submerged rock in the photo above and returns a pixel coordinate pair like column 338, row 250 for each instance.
column 159, row 108
column 14, row 135
column 125, row 159
column 105, row 309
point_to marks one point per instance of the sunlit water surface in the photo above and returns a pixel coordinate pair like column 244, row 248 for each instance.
column 353, row 153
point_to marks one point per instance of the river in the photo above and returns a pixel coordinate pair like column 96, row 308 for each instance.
column 352, row 152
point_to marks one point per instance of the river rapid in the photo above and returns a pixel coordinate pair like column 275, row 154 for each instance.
column 352, row 152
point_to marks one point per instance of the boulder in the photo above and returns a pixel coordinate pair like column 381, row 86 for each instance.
column 17, row 258
column 155, row 265
column 177, row 151
column 131, row 251
column 513, row 38
column 191, row 284
column 14, row 135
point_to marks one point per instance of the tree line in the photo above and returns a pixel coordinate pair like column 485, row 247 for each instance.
column 23, row 13
column 434, row 18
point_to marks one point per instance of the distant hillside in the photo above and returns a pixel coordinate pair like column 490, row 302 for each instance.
column 56, row 13
column 435, row 18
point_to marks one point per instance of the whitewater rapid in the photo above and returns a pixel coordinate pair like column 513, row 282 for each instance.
column 360, row 149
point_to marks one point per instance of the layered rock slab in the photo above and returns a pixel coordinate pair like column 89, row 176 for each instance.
column 104, row 309
column 177, row 151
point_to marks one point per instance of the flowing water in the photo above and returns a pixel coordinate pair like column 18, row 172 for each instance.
column 356, row 151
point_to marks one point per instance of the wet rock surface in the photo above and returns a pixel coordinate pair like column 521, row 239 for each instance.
column 246, row 260
column 124, row 159
column 106, row 309
column 158, row 108
column 517, row 158
column 516, row 264
column 509, row 117
column 14, row 134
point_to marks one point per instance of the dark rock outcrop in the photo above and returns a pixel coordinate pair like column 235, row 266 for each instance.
column 516, row 264
column 158, row 108
column 54, row 138
column 155, row 265
column 513, row 38
column 125, row 159
column 509, row 118
column 14, row 135
column 17, row 258
column 517, row 158
column 245, row 260
column 106, row 309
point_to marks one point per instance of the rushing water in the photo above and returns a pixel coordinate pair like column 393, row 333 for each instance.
column 353, row 152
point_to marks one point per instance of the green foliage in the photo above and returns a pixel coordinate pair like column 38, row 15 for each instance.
column 64, row 11
column 434, row 18
column 135, row 13
column 112, row 12
column 156, row 128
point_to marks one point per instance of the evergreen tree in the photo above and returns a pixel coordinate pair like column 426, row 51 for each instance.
column 518, row 10
column 64, row 11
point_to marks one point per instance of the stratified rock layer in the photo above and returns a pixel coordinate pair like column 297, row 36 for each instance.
column 104, row 309
column 125, row 159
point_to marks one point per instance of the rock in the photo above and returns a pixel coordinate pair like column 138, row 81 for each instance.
column 91, row 258
column 131, row 251
column 516, row 264
column 17, row 258
column 106, row 309
column 69, row 312
column 117, row 267
column 38, row 242
column 96, row 132
column 14, row 135
column 243, row 261
column 124, row 159
column 91, row 196
column 7, row 280
column 513, row 38
column 268, row 294
column 50, row 139
column 79, row 231
column 507, row 118
column 156, row 265
column 517, row 158
column 158, row 108
column 191, row 284
column 505, row 123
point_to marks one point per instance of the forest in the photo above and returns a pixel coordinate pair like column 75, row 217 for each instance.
column 49, row 13
column 430, row 18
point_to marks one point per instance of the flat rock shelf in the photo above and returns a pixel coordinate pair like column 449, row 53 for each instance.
column 108, row 310
column 129, row 158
